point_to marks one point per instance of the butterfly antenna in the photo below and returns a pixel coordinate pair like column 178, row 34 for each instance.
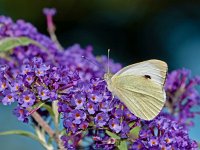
column 108, row 61
column 94, row 63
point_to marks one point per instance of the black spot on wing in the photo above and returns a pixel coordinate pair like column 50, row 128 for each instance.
column 147, row 76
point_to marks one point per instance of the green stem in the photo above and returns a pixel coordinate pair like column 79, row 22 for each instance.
column 48, row 129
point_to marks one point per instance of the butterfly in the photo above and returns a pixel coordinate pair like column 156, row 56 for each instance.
column 140, row 87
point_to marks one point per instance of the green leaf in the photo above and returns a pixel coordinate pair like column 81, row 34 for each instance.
column 131, row 124
column 20, row 132
column 135, row 131
column 9, row 43
column 113, row 135
column 49, row 109
column 24, row 133
column 123, row 145
column 45, row 106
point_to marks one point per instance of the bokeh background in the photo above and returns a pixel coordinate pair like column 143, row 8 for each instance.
column 134, row 30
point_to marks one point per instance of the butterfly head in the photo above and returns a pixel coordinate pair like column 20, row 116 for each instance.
column 107, row 77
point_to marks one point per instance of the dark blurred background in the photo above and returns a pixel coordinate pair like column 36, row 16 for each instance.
column 134, row 30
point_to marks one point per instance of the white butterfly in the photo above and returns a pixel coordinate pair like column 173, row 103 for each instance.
column 140, row 87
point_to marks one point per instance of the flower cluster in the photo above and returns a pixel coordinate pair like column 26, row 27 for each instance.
column 36, row 82
column 182, row 96
column 8, row 28
column 164, row 134
column 89, row 104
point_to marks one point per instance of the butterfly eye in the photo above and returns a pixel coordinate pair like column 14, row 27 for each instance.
column 147, row 76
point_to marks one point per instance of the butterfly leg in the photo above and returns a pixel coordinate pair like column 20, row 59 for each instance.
column 111, row 100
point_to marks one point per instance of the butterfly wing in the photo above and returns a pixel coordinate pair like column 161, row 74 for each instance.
column 140, row 87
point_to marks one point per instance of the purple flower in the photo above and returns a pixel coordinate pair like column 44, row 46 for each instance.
column 105, row 106
column 117, row 112
column 95, row 97
column 101, row 119
column 153, row 141
column 27, row 99
column 8, row 99
column 79, row 101
column 91, row 108
column 68, row 124
column 29, row 78
column 43, row 93
column 83, row 125
column 14, row 87
column 78, row 116
column 114, row 124
column 41, row 70
column 3, row 85
column 129, row 115
column 26, row 68
column 21, row 114
column 138, row 145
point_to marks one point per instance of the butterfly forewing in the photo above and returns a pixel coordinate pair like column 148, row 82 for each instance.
column 140, row 87
column 156, row 69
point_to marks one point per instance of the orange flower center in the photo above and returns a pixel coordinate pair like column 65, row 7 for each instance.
column 21, row 111
column 99, row 118
column 93, row 98
column 3, row 85
column 78, row 115
column 10, row 97
column 163, row 148
column 42, row 93
column 79, row 101
column 27, row 98
column 84, row 126
column 153, row 142
column 167, row 140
